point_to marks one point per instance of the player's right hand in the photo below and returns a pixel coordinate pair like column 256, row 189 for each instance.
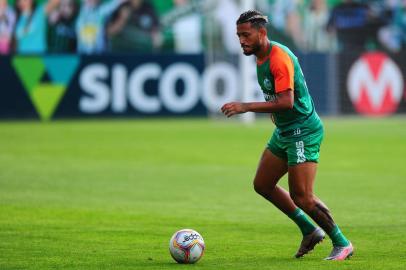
column 229, row 109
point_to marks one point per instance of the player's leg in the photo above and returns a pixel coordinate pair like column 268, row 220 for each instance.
column 270, row 170
column 301, row 182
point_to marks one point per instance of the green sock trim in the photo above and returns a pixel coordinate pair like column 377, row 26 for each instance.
column 338, row 238
column 305, row 225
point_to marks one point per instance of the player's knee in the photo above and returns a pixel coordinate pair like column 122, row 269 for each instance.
column 303, row 201
column 262, row 188
column 259, row 188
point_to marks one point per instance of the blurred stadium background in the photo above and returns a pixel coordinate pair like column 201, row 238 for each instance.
column 111, row 137
column 82, row 59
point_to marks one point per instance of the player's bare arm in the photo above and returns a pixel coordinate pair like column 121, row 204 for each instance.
column 284, row 101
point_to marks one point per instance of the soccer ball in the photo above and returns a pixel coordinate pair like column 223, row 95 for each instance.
column 186, row 246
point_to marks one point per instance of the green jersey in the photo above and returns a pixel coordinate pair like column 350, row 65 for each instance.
column 279, row 72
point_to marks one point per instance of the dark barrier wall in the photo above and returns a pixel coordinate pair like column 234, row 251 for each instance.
column 372, row 83
column 69, row 86
column 316, row 69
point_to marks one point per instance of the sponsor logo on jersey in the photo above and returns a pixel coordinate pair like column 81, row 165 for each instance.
column 267, row 84
column 375, row 84
column 270, row 97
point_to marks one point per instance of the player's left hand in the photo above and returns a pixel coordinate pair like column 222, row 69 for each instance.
column 229, row 109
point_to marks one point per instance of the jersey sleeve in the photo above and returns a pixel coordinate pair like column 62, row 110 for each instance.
column 282, row 70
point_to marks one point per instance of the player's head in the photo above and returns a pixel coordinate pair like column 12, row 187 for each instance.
column 251, row 30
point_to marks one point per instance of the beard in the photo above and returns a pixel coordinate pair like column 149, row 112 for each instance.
column 254, row 49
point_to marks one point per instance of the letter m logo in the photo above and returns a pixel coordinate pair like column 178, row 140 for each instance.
column 375, row 84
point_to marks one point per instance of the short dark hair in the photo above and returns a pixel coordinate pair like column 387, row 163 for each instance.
column 256, row 18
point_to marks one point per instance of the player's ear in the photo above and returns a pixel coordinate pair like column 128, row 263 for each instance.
column 262, row 31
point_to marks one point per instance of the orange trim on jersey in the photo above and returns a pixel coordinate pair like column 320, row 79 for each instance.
column 281, row 67
column 260, row 62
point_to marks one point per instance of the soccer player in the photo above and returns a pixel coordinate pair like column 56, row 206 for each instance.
column 295, row 144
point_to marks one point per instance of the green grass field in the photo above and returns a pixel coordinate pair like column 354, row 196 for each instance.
column 109, row 194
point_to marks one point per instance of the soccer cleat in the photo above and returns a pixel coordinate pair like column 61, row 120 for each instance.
column 309, row 242
column 341, row 253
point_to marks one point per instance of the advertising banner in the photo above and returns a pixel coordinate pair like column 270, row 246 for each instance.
column 372, row 83
column 70, row 86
